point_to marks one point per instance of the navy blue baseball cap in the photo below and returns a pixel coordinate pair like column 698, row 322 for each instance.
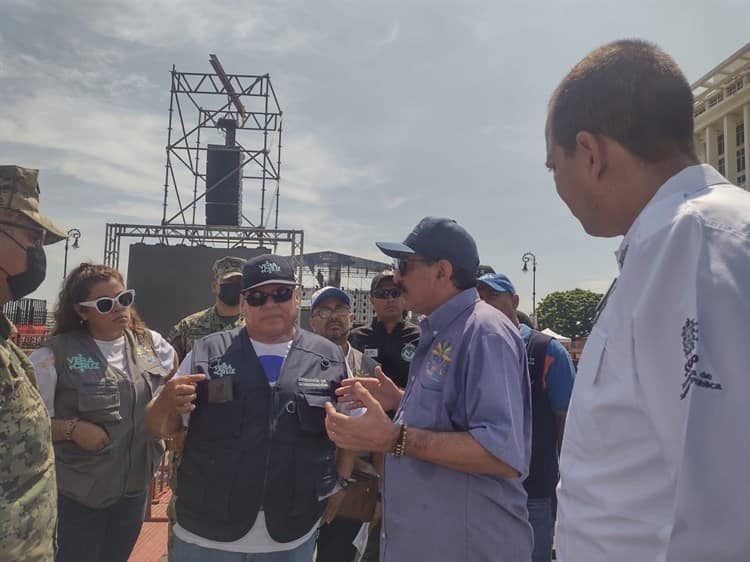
column 498, row 282
column 267, row 269
column 329, row 293
column 438, row 239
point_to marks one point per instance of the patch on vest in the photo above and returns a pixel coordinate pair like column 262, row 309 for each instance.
column 691, row 375
column 147, row 357
column 313, row 384
column 82, row 364
column 407, row 352
column 223, row 369
column 438, row 361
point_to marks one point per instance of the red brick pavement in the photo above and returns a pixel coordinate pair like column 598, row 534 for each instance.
column 152, row 542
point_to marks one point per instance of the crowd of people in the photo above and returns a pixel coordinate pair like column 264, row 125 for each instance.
column 467, row 437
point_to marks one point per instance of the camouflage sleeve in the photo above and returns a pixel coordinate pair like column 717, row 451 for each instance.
column 179, row 340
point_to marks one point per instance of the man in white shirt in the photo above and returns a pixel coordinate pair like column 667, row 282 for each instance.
column 654, row 461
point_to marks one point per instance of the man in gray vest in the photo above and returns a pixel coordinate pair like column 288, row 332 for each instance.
column 257, row 465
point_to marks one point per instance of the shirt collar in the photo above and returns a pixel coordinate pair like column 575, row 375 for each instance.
column 687, row 181
column 447, row 312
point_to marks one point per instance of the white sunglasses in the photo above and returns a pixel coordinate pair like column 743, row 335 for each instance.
column 105, row 305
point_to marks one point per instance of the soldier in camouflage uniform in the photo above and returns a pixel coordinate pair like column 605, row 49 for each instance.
column 28, row 490
column 223, row 315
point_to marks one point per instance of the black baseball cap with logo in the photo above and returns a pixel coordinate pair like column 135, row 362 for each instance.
column 267, row 269
column 437, row 238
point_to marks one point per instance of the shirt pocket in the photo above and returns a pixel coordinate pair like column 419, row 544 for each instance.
column 100, row 403
column 583, row 426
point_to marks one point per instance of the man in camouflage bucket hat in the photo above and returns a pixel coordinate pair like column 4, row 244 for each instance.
column 223, row 315
column 28, row 490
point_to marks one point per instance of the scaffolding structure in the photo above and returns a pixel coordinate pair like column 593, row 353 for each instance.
column 244, row 107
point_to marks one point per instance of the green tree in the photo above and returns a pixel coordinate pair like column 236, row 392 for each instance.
column 569, row 313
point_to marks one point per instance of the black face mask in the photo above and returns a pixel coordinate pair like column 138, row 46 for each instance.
column 229, row 293
column 22, row 284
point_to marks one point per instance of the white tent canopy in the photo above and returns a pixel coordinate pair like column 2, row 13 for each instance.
column 558, row 337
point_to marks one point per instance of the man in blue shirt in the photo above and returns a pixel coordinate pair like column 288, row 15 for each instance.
column 459, row 445
column 552, row 376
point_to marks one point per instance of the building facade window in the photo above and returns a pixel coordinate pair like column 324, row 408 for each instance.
column 740, row 134
column 720, row 144
column 734, row 87
column 741, row 179
column 741, row 159
column 722, row 167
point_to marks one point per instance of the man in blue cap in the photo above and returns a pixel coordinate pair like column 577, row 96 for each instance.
column 552, row 374
column 460, row 442
column 332, row 318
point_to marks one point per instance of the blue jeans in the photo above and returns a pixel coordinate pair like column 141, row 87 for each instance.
column 540, row 517
column 187, row 552
column 108, row 534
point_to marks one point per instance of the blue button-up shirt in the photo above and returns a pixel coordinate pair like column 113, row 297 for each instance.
column 469, row 374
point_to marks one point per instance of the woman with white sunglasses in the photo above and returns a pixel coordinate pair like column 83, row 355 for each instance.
column 96, row 374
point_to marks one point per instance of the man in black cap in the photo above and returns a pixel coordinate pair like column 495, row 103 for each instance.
column 459, row 445
column 257, row 464
column 390, row 339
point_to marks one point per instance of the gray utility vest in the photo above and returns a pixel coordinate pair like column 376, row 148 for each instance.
column 90, row 389
column 267, row 447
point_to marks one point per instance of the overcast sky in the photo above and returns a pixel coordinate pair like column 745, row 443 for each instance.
column 393, row 110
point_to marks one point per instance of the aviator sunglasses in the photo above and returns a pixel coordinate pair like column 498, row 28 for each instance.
column 259, row 298
column 385, row 293
column 105, row 305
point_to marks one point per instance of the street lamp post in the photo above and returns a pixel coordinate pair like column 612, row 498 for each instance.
column 529, row 257
column 75, row 234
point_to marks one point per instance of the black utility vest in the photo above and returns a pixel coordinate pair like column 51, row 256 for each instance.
column 266, row 448
column 544, row 470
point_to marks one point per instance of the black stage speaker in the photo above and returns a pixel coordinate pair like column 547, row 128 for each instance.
column 173, row 281
column 224, row 201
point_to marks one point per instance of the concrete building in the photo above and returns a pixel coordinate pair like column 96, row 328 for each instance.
column 722, row 117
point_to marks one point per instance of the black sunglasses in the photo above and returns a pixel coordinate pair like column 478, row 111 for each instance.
column 259, row 298
column 385, row 293
column 402, row 265
column 105, row 305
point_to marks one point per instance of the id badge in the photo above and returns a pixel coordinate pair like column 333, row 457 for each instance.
column 220, row 390
column 371, row 352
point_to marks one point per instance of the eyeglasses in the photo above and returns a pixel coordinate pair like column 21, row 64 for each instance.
column 105, row 305
column 38, row 232
column 402, row 265
column 324, row 313
column 259, row 298
column 385, row 293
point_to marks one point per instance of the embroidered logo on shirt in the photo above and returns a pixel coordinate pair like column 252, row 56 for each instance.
column 82, row 364
column 223, row 369
column 407, row 352
column 268, row 267
column 438, row 361
column 700, row 379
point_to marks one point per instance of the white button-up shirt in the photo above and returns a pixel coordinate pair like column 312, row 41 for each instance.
column 655, row 462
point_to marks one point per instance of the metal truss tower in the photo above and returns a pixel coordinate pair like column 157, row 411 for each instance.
column 245, row 108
